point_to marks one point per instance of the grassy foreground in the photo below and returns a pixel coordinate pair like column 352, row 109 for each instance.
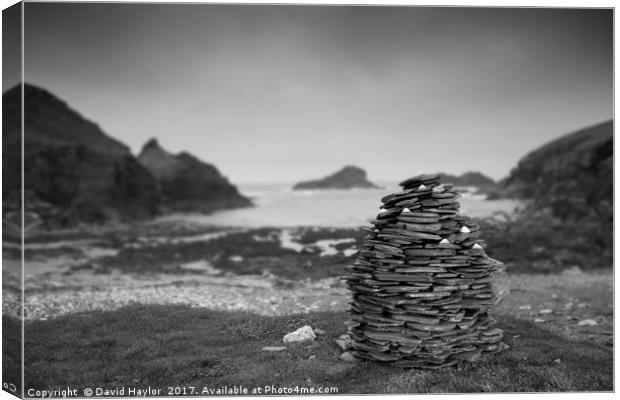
column 161, row 346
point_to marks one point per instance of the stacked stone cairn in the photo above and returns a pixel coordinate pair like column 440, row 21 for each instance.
column 422, row 283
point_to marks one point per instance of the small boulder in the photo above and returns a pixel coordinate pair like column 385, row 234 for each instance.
column 344, row 342
column 303, row 334
column 348, row 357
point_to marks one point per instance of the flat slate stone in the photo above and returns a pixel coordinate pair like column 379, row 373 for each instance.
column 430, row 252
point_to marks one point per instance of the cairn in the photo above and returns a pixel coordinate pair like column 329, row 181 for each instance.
column 422, row 283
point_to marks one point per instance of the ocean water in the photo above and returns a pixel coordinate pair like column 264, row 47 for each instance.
column 279, row 206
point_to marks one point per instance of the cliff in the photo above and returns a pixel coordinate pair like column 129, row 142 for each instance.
column 73, row 171
column 573, row 174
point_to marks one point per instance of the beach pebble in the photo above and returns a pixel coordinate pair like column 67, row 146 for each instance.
column 344, row 342
column 348, row 357
column 303, row 334
column 274, row 348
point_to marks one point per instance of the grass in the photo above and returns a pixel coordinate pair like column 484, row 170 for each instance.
column 11, row 351
column 175, row 345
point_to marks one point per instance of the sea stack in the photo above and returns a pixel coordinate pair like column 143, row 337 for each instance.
column 422, row 285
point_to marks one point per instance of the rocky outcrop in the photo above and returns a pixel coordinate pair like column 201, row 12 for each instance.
column 572, row 175
column 73, row 171
column 470, row 179
column 349, row 177
column 188, row 184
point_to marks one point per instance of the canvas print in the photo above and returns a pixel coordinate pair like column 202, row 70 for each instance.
column 299, row 199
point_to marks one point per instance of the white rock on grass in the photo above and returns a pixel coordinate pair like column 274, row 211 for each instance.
column 303, row 334
column 273, row 348
column 588, row 322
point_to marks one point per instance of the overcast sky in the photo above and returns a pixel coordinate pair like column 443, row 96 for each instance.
column 284, row 93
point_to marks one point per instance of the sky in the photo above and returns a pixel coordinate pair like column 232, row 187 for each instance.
column 288, row 93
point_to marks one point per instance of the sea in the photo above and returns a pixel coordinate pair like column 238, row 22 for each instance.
column 277, row 205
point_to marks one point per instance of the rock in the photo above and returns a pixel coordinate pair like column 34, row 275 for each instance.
column 319, row 331
column 526, row 307
column 303, row 334
column 348, row 357
column 538, row 320
column 557, row 361
column 545, row 311
column 187, row 183
column 236, row 259
column 587, row 322
column 348, row 177
column 471, row 179
column 574, row 270
column 312, row 357
column 197, row 266
column 274, row 348
column 344, row 342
